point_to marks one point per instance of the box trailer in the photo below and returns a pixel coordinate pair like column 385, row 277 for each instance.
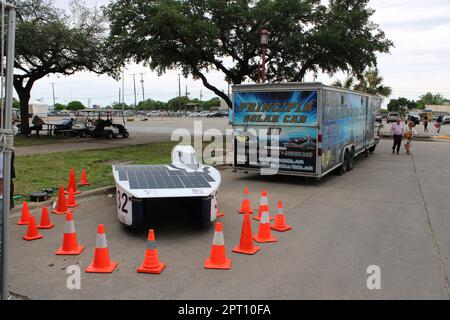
column 309, row 128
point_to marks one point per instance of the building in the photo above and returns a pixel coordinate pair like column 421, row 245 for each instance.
column 438, row 109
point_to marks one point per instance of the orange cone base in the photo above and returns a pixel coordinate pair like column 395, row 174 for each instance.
column 39, row 236
column 258, row 239
column 209, row 265
column 46, row 227
column 281, row 229
column 84, row 184
column 72, row 206
column 246, row 251
column 55, row 211
column 220, row 215
column 22, row 223
column 244, row 212
column 62, row 252
column 154, row 270
column 108, row 269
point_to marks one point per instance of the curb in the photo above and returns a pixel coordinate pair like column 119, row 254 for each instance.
column 416, row 137
column 17, row 211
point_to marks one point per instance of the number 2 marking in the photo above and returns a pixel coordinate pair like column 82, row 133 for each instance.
column 123, row 206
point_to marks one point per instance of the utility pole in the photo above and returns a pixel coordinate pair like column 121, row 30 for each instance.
column 179, row 94
column 135, row 94
column 123, row 90
column 53, row 89
column 201, row 97
column 142, row 84
column 185, row 107
column 120, row 95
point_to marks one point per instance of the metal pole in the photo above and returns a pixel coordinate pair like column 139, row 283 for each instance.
column 264, row 64
column 179, row 94
column 7, row 152
column 123, row 96
column 53, row 90
column 135, row 96
column 142, row 84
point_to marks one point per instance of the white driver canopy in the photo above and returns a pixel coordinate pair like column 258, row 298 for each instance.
column 184, row 157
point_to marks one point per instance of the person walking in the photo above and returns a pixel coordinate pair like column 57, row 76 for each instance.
column 425, row 124
column 397, row 134
column 408, row 135
column 439, row 123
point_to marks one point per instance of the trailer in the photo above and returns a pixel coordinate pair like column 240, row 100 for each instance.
column 303, row 129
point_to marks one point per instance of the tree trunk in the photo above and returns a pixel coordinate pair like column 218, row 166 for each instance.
column 24, row 97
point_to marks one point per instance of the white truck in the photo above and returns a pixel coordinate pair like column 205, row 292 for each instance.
column 319, row 128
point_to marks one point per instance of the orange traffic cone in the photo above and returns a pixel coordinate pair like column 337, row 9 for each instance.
column 246, row 244
column 101, row 262
column 61, row 207
column 25, row 218
column 263, row 206
column 70, row 243
column 72, row 183
column 84, row 180
column 218, row 259
column 71, row 201
column 264, row 234
column 280, row 221
column 32, row 233
column 45, row 220
column 151, row 262
column 245, row 207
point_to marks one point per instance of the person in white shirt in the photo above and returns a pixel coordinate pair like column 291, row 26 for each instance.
column 397, row 134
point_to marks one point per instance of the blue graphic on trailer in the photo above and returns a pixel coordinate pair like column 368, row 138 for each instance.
column 295, row 108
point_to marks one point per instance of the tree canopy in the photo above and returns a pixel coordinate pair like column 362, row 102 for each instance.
column 201, row 35
column 51, row 41
column 431, row 99
column 401, row 105
column 370, row 82
column 75, row 105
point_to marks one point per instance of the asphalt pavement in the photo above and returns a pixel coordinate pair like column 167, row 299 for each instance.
column 391, row 211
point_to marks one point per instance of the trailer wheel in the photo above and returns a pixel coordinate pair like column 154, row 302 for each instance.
column 350, row 161
column 372, row 149
column 343, row 168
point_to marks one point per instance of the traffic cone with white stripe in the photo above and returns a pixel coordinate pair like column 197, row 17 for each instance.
column 218, row 259
column 45, row 222
column 84, row 180
column 61, row 206
column 25, row 217
column 32, row 232
column 246, row 244
column 70, row 244
column 151, row 262
column 263, row 206
column 71, row 201
column 101, row 262
column 280, row 221
column 72, row 183
column 264, row 234
column 219, row 214
column 245, row 207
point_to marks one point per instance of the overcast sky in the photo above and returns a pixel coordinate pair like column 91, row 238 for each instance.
column 420, row 61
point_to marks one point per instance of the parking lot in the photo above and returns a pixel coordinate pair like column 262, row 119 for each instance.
column 390, row 211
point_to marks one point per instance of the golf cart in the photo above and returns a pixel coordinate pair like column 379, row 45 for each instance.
column 98, row 124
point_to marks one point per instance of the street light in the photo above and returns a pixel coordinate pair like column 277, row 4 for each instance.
column 264, row 43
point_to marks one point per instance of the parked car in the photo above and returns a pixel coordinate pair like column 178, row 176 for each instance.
column 163, row 114
column 392, row 117
column 215, row 115
column 379, row 118
column 446, row 120
column 63, row 125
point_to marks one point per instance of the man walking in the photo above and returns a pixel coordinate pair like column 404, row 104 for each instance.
column 397, row 133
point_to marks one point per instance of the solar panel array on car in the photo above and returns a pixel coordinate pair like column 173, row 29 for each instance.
column 161, row 177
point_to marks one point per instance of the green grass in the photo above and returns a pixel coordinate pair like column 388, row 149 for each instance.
column 35, row 172
column 22, row 141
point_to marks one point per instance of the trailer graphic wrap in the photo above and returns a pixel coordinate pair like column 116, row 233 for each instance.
column 276, row 108
column 290, row 115
column 345, row 122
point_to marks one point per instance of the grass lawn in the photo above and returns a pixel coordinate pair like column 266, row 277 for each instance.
column 21, row 141
column 35, row 172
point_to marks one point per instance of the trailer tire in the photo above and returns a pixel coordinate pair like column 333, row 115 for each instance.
column 351, row 159
column 343, row 168
column 372, row 149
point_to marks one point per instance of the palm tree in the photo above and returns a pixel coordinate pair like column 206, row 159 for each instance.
column 348, row 83
column 371, row 82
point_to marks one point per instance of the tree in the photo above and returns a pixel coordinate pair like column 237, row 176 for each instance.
column 212, row 103
column 50, row 41
column 198, row 36
column 60, row 107
column 401, row 105
column 371, row 82
column 431, row 99
column 151, row 104
column 75, row 106
column 348, row 83
column 172, row 104
column 16, row 104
